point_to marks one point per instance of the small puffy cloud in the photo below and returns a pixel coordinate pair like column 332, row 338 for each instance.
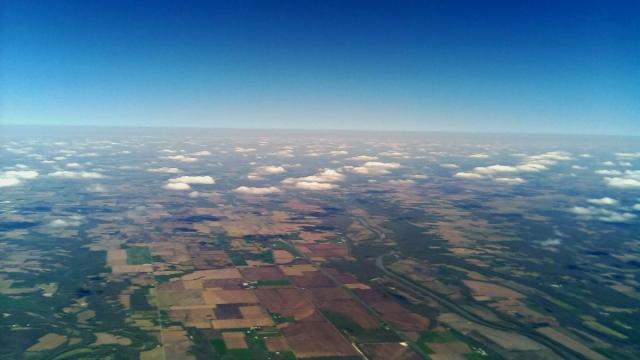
column 166, row 170
column 338, row 152
column 449, row 166
column 201, row 153
column 401, row 182
column 617, row 217
column 622, row 183
column 578, row 167
column 314, row 185
column 246, row 190
column 495, row 169
column 608, row 172
column 325, row 176
column 204, row 180
column 73, row 165
column 77, row 174
column 15, row 177
column 418, row 176
column 363, row 158
column 177, row 186
column 608, row 163
column 244, row 150
column 509, row 180
column 479, row 156
column 374, row 168
column 636, row 207
column 62, row 223
column 261, row 171
column 468, row 175
column 628, row 155
column 605, row 215
column 182, row 158
column 603, row 201
column 630, row 179
column 551, row 242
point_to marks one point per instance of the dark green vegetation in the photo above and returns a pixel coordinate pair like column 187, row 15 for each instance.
column 138, row 255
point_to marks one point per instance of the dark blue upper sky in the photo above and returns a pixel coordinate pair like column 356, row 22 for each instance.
column 515, row 66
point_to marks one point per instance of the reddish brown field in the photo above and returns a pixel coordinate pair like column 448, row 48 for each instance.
column 261, row 273
column 312, row 279
column 316, row 339
column 353, row 310
column 285, row 301
column 390, row 351
column 394, row 313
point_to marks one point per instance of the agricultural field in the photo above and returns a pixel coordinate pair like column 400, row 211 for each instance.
column 300, row 248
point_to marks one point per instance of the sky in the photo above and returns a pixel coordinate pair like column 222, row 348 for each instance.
column 473, row 66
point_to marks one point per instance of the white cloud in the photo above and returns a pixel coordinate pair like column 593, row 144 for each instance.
column 401, row 182
column 256, row 190
column 603, row 201
column 204, row 180
column 244, row 150
column 636, row 207
column 551, row 242
column 73, row 165
column 479, row 156
column 622, row 183
column 15, row 177
column 608, row 163
column 578, row 167
column 374, row 168
column 177, row 186
column 469, row 175
column 604, row 215
column 61, row 223
column 77, row 174
column 628, row 155
column 314, row 185
column 167, row 170
column 182, row 158
column 338, row 152
column 608, row 172
column 630, row 179
column 509, row 180
column 363, row 158
column 201, row 153
column 325, row 176
column 96, row 188
column 449, row 166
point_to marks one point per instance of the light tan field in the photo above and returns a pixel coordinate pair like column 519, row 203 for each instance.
column 570, row 343
column 217, row 296
column 234, row 340
column 48, row 342
column 481, row 288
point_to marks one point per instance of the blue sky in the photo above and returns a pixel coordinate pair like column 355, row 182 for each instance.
column 530, row 66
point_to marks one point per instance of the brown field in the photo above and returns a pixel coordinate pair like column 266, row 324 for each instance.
column 227, row 284
column 570, row 343
column 108, row 339
column 312, row 279
column 282, row 256
column 393, row 312
column 297, row 270
column 48, row 342
column 241, row 323
column 324, row 250
column 116, row 257
column 353, row 310
column 253, row 312
column 176, row 343
column 318, row 296
column 391, row 351
column 234, row 340
column 277, row 343
column 195, row 317
column 285, row 301
column 180, row 297
column 481, row 288
column 261, row 273
column 119, row 269
column 309, row 236
column 316, row 339
column 226, row 273
column 215, row 296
